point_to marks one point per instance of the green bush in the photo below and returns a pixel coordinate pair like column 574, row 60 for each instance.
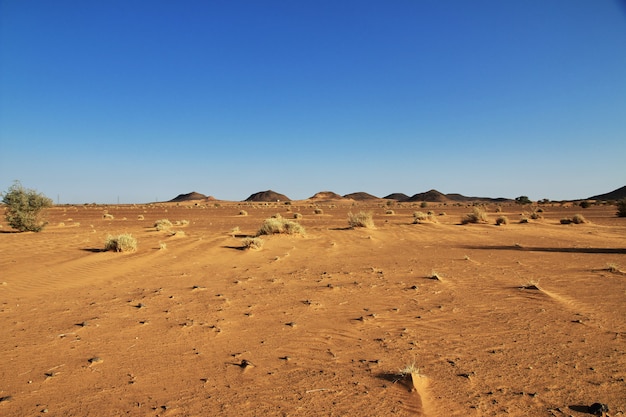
column 121, row 243
column 361, row 219
column 24, row 208
column 621, row 208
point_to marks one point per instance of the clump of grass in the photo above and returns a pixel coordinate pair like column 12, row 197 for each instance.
column 297, row 215
column 478, row 215
column 410, row 370
column 140, row 217
column 421, row 217
column 318, row 211
column 252, row 243
column 524, row 219
column 278, row 225
column 502, row 220
column 578, row 219
column 163, row 224
column 243, row 213
column 621, row 208
column 121, row 243
column 361, row 219
column 390, row 212
column 613, row 268
column 108, row 216
column 435, row 276
column 162, row 246
column 182, row 222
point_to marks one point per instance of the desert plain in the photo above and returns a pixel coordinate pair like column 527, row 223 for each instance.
column 523, row 319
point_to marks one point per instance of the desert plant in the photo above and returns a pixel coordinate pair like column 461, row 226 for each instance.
column 522, row 200
column 277, row 225
column 578, row 219
column 412, row 371
column 24, row 208
column 297, row 215
column 390, row 212
column 502, row 220
column 621, row 208
column 108, row 216
column 140, row 217
column 318, row 211
column 566, row 221
column 243, row 213
column 478, row 215
column 361, row 219
column 585, row 204
column 252, row 243
column 121, row 243
column 163, row 224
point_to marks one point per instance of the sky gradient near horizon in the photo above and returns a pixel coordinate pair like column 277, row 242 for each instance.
column 144, row 100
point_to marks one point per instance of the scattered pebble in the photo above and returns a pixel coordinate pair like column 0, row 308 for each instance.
column 95, row 360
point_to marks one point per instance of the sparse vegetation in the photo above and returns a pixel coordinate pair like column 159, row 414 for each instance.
column 421, row 217
column 140, row 217
column 297, row 215
column 478, row 215
column 108, row 216
column 243, row 213
column 390, row 212
column 121, row 243
column 361, row 219
column 278, row 225
column 163, row 224
column 522, row 200
column 318, row 211
column 502, row 220
column 24, row 208
column 578, row 219
column 252, row 243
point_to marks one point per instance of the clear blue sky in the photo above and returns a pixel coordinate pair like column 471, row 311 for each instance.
column 144, row 100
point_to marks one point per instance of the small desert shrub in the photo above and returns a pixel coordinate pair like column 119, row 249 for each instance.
column 478, row 215
column 566, row 221
column 390, row 212
column 499, row 209
column 318, row 211
column 361, row 219
column 502, row 220
column 275, row 225
column 140, row 217
column 108, row 216
column 524, row 220
column 297, row 215
column 585, row 204
column 252, row 243
column 163, row 224
column 243, row 213
column 23, row 211
column 578, row 219
column 621, row 208
column 121, row 243
column 420, row 217
column 423, row 204
column 182, row 222
column 535, row 215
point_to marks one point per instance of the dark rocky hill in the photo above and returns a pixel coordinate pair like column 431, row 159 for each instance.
column 268, row 196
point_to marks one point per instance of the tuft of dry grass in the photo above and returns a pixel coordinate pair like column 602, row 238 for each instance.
column 163, row 224
column 361, row 219
column 252, row 243
column 478, row 215
column 121, row 243
column 278, row 225
column 243, row 213
column 502, row 220
column 318, row 211
column 108, row 216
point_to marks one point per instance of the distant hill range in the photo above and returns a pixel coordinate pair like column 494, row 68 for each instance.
column 433, row 196
column 267, row 196
column 613, row 195
column 192, row 196
column 438, row 197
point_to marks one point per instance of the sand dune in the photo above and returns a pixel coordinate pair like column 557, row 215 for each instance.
column 311, row 325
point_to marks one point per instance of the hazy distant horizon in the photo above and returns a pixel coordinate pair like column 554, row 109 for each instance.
column 139, row 101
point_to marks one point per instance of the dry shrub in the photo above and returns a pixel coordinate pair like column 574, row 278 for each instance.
column 390, row 212
column 421, row 217
column 297, row 215
column 578, row 219
column 478, row 215
column 361, row 219
column 318, row 211
column 252, row 243
column 278, row 225
column 502, row 220
column 107, row 216
column 121, row 243
column 243, row 213
column 163, row 224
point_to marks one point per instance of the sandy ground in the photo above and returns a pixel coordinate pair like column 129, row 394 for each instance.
column 315, row 325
